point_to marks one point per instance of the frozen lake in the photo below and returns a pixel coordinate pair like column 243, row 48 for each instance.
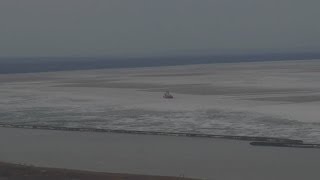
column 277, row 99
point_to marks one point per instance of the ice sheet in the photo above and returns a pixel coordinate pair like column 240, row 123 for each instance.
column 278, row 99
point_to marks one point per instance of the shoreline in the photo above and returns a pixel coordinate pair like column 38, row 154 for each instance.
column 253, row 140
column 33, row 66
column 157, row 133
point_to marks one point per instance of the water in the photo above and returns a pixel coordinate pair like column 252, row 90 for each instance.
column 157, row 155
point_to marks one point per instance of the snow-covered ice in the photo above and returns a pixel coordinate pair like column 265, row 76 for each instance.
column 278, row 99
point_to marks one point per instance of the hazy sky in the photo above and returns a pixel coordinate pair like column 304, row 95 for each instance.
column 131, row 27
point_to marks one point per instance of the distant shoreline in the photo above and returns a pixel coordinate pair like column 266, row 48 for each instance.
column 15, row 65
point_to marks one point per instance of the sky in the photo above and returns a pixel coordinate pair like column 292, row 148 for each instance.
column 147, row 27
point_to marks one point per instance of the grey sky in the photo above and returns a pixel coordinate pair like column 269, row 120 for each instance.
column 131, row 27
